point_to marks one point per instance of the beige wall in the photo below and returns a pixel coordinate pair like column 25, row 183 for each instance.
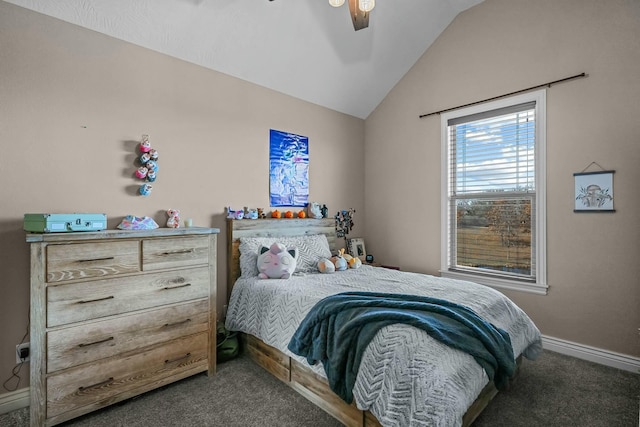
column 73, row 105
column 502, row 46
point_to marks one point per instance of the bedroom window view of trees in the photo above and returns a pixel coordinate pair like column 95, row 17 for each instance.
column 492, row 192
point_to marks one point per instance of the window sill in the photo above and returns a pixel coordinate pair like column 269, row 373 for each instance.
column 493, row 282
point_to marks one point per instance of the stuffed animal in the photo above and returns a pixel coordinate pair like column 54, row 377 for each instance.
column 174, row 218
column 144, row 158
column 145, row 145
column 326, row 266
column 261, row 213
column 339, row 261
column 354, row 262
column 152, row 165
column 145, row 189
column 141, row 172
column 314, row 210
column 251, row 214
column 151, row 176
column 277, row 262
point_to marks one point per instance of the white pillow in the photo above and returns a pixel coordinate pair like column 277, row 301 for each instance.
column 311, row 248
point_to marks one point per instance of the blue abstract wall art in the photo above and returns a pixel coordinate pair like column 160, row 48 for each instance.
column 288, row 169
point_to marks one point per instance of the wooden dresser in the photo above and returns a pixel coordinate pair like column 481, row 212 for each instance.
column 117, row 313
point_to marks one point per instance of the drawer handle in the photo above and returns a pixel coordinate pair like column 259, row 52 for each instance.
column 95, row 300
column 95, row 342
column 176, row 287
column 168, row 361
column 183, row 251
column 97, row 259
column 107, row 381
column 168, row 325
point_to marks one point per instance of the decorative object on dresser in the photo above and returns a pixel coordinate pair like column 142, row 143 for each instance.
column 118, row 313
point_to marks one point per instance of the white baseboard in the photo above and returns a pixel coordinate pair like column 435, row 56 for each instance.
column 592, row 354
column 14, row 400
column 20, row 398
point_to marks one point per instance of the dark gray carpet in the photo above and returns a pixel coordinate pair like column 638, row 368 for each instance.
column 555, row 390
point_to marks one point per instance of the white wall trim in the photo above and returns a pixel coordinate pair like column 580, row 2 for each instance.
column 592, row 354
column 20, row 398
column 14, row 400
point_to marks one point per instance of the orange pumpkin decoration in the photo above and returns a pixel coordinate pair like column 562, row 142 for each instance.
column 288, row 214
column 275, row 214
column 301, row 214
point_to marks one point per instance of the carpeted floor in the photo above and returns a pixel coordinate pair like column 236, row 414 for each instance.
column 555, row 390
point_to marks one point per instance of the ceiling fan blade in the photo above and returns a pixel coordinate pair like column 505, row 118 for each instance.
column 360, row 19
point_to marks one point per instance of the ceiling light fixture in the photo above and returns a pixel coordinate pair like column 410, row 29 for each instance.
column 359, row 11
column 366, row 5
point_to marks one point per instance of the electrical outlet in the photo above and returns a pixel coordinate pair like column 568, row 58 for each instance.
column 23, row 352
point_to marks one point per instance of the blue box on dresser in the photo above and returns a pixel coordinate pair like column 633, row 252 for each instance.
column 63, row 223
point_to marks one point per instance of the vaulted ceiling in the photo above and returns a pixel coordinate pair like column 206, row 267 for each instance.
column 303, row 48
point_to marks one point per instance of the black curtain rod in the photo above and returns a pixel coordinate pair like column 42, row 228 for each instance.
column 577, row 76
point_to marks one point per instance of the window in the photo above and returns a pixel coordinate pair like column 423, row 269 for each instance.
column 493, row 194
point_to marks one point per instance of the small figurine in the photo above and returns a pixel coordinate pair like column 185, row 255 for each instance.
column 288, row 214
column 231, row 214
column 174, row 218
column 153, row 154
column 239, row 214
column 261, row 213
column 142, row 172
column 251, row 214
column 325, row 211
column 302, row 214
column 152, row 165
column 145, row 189
column 276, row 214
column 144, row 158
column 151, row 176
column 314, row 210
column 145, row 145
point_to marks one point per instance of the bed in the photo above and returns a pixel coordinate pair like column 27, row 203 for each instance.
column 405, row 377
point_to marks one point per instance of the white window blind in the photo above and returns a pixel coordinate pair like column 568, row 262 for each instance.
column 492, row 192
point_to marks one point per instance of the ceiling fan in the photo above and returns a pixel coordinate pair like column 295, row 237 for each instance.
column 359, row 11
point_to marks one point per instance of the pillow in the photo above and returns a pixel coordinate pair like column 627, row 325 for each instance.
column 311, row 248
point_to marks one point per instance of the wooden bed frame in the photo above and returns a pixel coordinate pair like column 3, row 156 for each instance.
column 302, row 379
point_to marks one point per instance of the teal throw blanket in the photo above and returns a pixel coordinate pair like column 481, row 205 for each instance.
column 338, row 329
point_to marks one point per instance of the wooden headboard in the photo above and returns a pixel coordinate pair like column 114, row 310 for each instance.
column 237, row 228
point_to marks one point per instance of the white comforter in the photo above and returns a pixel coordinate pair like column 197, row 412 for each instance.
column 406, row 378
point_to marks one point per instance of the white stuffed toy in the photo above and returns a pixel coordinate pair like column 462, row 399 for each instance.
column 326, row 266
column 277, row 262
column 174, row 218
column 353, row 261
column 339, row 261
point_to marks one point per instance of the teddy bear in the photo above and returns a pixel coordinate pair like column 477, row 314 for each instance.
column 277, row 261
column 174, row 218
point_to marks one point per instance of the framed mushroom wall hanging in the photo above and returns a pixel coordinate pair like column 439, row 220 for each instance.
column 594, row 191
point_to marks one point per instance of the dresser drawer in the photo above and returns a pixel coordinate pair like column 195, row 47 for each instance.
column 105, row 381
column 75, row 302
column 89, row 342
column 92, row 259
column 161, row 254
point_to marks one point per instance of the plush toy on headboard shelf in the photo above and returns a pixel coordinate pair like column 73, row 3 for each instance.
column 277, row 262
